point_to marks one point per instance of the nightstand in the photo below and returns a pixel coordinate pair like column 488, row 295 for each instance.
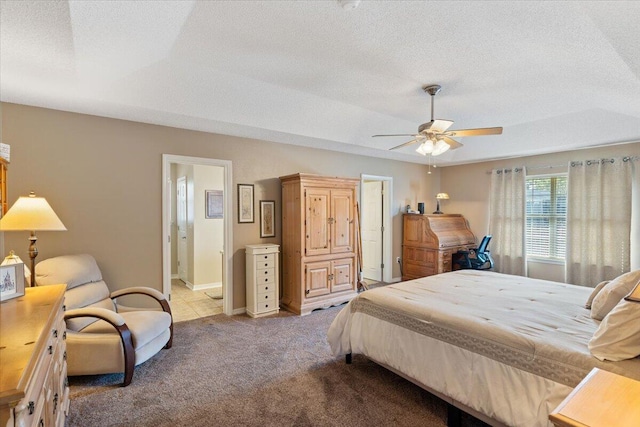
column 602, row 399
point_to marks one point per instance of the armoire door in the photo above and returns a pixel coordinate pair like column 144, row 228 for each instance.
column 317, row 210
column 341, row 221
column 317, row 278
column 342, row 275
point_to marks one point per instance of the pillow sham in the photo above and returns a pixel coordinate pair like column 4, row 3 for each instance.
column 594, row 293
column 618, row 336
column 611, row 294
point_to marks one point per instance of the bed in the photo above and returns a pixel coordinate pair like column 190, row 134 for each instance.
column 506, row 349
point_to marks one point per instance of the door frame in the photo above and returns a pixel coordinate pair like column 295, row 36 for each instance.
column 227, row 264
column 181, row 179
column 387, row 221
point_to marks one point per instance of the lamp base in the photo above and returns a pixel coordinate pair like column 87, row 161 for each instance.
column 438, row 211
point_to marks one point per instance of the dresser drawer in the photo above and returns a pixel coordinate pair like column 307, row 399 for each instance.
column 264, row 258
column 265, row 280
column 268, row 287
column 264, row 272
column 266, row 306
column 267, row 263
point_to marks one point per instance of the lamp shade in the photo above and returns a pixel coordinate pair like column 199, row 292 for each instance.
column 442, row 196
column 31, row 214
column 440, row 147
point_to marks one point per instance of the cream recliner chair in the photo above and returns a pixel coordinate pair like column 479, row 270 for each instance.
column 102, row 339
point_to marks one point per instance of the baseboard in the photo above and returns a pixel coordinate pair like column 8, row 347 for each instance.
column 174, row 276
column 204, row 286
column 396, row 279
column 242, row 310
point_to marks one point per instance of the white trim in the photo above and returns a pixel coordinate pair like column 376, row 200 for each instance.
column 242, row 310
column 396, row 280
column 204, row 286
column 387, row 221
column 227, row 277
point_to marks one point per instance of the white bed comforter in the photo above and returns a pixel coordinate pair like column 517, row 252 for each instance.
column 506, row 346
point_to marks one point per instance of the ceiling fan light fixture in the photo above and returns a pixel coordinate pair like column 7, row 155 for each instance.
column 425, row 148
column 440, row 147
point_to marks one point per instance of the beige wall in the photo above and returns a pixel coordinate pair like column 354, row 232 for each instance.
column 469, row 189
column 208, row 232
column 103, row 178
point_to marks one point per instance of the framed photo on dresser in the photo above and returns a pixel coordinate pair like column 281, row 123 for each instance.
column 11, row 281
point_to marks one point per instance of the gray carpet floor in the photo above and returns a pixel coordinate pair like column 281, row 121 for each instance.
column 238, row 371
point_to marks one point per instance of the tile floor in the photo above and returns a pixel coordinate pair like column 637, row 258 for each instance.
column 187, row 304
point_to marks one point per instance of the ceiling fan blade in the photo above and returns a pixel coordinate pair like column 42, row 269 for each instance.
column 404, row 145
column 452, row 142
column 396, row 134
column 440, row 125
column 476, row 132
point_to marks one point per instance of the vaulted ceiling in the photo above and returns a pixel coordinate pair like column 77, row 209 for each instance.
column 556, row 75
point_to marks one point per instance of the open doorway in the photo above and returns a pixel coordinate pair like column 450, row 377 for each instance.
column 197, row 232
column 376, row 227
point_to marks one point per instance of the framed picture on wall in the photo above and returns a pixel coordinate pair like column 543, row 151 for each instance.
column 267, row 218
column 11, row 281
column 245, row 203
column 213, row 204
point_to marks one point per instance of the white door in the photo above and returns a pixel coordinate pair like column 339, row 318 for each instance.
column 181, row 217
column 371, row 226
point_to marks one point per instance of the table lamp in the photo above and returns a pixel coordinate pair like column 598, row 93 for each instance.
column 31, row 214
column 440, row 196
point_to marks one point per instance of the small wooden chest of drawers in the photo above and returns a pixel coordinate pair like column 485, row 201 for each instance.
column 263, row 274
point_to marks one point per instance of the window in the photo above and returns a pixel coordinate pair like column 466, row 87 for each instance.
column 546, row 217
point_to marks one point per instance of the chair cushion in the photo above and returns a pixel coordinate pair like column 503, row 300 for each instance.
column 145, row 326
column 74, row 270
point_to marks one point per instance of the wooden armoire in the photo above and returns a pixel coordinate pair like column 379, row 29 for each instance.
column 318, row 241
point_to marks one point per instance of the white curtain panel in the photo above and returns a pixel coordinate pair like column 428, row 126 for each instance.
column 598, row 220
column 507, row 219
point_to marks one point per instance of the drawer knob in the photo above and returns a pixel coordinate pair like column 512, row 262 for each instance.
column 265, row 257
column 266, row 280
column 266, row 264
column 55, row 333
column 50, row 349
column 266, row 297
column 31, row 407
column 266, row 306
column 265, row 272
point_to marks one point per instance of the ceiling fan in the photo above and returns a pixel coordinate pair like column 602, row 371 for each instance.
column 433, row 136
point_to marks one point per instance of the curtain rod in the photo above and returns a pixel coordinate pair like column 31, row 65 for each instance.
column 573, row 162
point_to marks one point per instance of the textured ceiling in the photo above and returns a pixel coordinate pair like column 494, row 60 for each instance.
column 556, row 75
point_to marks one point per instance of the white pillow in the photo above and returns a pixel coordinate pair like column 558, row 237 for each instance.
column 618, row 336
column 612, row 293
column 594, row 293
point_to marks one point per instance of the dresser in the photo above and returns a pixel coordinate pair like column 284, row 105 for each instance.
column 429, row 241
column 318, row 241
column 263, row 276
column 33, row 379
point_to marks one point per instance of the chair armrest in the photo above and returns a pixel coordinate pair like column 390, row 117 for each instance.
column 101, row 313
column 120, row 326
column 157, row 295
